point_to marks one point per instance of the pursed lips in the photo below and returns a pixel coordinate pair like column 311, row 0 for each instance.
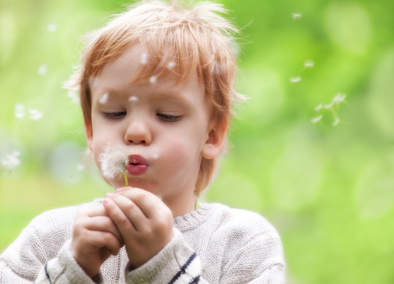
column 137, row 165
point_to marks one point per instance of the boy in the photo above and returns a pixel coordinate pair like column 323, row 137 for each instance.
column 157, row 90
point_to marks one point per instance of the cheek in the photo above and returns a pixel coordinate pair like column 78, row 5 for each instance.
column 183, row 155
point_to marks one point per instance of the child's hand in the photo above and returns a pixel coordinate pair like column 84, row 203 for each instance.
column 144, row 221
column 95, row 238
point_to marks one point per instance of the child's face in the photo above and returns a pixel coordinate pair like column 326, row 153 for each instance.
column 164, row 129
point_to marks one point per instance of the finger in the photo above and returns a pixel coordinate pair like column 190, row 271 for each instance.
column 121, row 221
column 94, row 210
column 131, row 210
column 103, row 239
column 149, row 204
column 103, row 224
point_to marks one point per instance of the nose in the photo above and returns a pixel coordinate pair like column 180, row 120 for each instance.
column 138, row 132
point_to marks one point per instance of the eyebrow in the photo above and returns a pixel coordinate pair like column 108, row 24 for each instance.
column 171, row 96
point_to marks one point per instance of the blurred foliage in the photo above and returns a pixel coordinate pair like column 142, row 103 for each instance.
column 327, row 186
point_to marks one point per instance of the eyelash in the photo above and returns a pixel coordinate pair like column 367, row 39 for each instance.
column 162, row 116
column 114, row 115
column 169, row 117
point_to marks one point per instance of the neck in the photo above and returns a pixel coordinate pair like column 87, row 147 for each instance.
column 182, row 206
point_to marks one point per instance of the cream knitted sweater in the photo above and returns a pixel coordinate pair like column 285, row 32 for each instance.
column 214, row 244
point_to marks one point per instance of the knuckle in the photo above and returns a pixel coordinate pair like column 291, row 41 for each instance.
column 129, row 206
column 142, row 196
column 122, row 221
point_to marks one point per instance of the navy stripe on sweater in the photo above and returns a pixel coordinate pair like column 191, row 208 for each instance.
column 195, row 280
column 46, row 273
column 183, row 269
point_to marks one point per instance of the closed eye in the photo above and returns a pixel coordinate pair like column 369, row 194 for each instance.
column 169, row 117
column 114, row 115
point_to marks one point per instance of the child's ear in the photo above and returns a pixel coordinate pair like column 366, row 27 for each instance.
column 215, row 141
column 88, row 134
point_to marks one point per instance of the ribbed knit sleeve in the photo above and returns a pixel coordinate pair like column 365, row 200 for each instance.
column 176, row 263
column 37, row 246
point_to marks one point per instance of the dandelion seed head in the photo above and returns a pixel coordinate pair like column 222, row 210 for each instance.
column 103, row 99
column 296, row 16
column 11, row 161
column 152, row 79
column 144, row 58
column 19, row 111
column 316, row 119
column 51, row 27
column 112, row 162
column 295, row 79
column 42, row 70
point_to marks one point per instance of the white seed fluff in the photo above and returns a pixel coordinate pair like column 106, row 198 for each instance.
column 112, row 162
column 152, row 79
column 12, row 160
column 144, row 58
column 42, row 70
column 296, row 16
column 19, row 111
column 316, row 119
column 133, row 99
column 51, row 27
column 103, row 99
column 295, row 79
column 171, row 64
column 35, row 114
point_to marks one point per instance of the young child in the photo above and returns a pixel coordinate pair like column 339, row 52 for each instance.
column 157, row 90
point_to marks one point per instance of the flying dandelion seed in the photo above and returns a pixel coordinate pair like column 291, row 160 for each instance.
column 316, row 119
column 112, row 162
column 73, row 96
column 339, row 98
column 11, row 161
column 103, row 99
column 133, row 99
column 336, row 121
column 144, row 58
column 42, row 70
column 19, row 111
column 155, row 156
column 328, row 106
column 152, row 79
column 295, row 79
column 80, row 167
column 51, row 27
column 309, row 64
column 171, row 64
column 318, row 107
column 35, row 114
column 296, row 16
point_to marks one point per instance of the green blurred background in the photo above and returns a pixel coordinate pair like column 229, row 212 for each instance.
column 328, row 187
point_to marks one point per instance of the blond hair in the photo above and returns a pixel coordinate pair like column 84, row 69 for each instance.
column 180, row 40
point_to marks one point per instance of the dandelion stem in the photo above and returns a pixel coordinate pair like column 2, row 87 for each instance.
column 125, row 178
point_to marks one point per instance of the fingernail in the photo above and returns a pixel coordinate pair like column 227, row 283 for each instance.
column 109, row 194
column 120, row 189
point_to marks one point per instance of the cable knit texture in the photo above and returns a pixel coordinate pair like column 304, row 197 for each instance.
column 214, row 244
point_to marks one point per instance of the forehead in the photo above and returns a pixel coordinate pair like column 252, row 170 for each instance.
column 123, row 75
